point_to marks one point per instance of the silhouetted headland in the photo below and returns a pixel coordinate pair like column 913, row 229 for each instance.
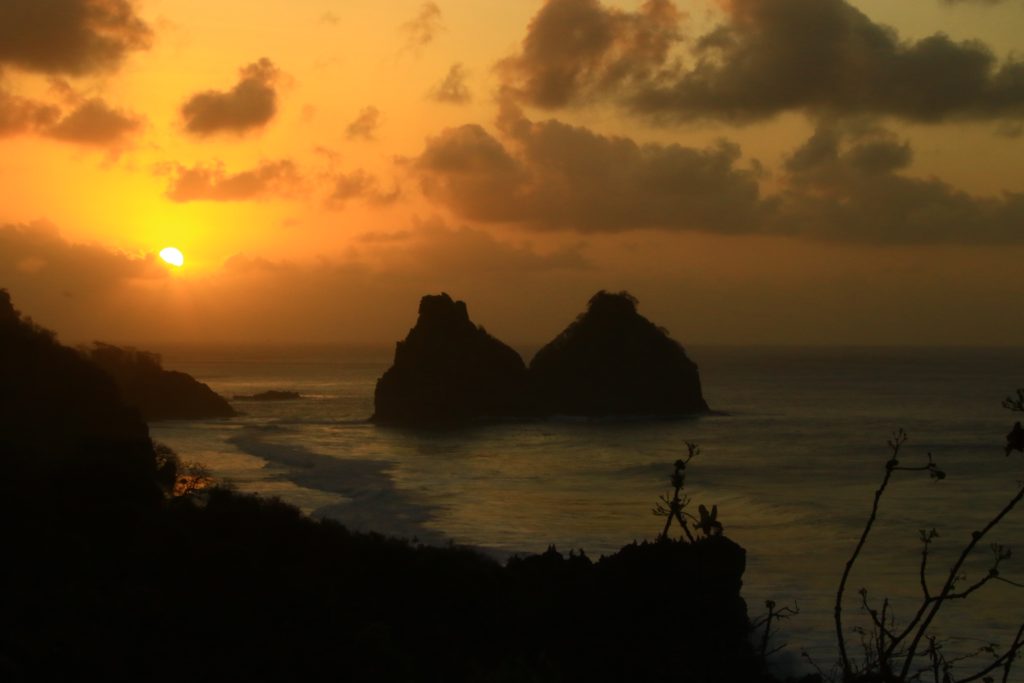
column 272, row 395
column 610, row 362
column 113, row 572
column 159, row 394
column 449, row 371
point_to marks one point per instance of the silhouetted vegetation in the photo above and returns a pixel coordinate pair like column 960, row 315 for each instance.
column 124, row 564
column 911, row 651
column 159, row 394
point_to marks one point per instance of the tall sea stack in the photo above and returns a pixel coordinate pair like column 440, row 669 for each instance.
column 612, row 361
column 449, row 371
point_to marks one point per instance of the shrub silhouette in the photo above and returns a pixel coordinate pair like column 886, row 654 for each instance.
column 895, row 652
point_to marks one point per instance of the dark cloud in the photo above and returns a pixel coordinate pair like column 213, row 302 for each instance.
column 213, row 183
column 552, row 175
column 365, row 125
column 827, row 57
column 21, row 115
column 360, row 185
column 89, row 122
column 850, row 188
column 842, row 185
column 74, row 37
column 822, row 57
column 250, row 104
column 421, row 30
column 94, row 122
column 452, row 88
column 577, row 49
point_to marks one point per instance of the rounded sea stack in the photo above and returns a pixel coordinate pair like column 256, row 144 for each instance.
column 612, row 361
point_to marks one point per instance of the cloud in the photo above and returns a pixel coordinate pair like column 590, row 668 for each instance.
column 75, row 37
column 421, row 30
column 575, row 50
column 844, row 184
column 329, row 18
column 213, row 183
column 90, row 121
column 825, row 57
column 972, row 2
column 849, row 187
column 446, row 249
column 552, row 175
column 452, row 88
column 360, row 185
column 21, row 115
column 94, row 122
column 250, row 104
column 365, row 125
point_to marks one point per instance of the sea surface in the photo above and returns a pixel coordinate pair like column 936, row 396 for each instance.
column 792, row 459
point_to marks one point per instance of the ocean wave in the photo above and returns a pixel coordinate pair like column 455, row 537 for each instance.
column 372, row 501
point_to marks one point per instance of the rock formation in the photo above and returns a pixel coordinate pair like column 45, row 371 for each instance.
column 449, row 371
column 272, row 395
column 612, row 361
column 158, row 394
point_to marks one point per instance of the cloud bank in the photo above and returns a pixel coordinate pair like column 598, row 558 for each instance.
column 841, row 185
column 824, row 58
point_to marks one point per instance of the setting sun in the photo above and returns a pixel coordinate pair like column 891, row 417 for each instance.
column 173, row 256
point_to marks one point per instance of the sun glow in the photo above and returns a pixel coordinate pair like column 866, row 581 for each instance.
column 173, row 256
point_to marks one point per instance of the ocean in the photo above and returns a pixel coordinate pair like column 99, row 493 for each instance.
column 791, row 457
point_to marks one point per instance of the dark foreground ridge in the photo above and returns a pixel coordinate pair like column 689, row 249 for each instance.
column 610, row 362
column 158, row 394
column 114, row 571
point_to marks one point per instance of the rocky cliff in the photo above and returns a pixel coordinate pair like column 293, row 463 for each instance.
column 612, row 361
column 450, row 371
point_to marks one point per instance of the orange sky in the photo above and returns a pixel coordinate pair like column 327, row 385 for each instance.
column 786, row 172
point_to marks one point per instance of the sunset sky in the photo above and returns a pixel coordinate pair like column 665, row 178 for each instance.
column 754, row 171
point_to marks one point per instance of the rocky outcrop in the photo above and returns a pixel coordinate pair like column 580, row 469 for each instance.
column 158, row 394
column 272, row 395
column 612, row 361
column 449, row 371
